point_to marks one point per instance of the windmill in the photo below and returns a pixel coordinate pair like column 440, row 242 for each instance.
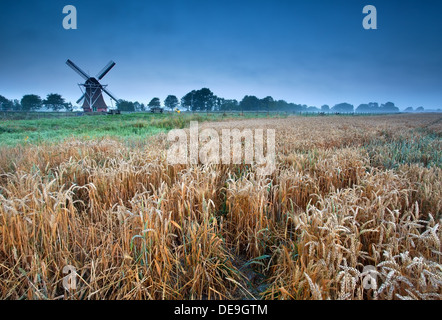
column 92, row 89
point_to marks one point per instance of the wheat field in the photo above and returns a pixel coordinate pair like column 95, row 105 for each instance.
column 348, row 192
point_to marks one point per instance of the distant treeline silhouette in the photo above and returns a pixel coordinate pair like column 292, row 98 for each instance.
column 33, row 102
column 200, row 101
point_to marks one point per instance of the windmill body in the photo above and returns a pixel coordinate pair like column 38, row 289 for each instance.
column 92, row 89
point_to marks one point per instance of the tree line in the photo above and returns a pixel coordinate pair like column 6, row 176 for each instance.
column 203, row 100
column 33, row 102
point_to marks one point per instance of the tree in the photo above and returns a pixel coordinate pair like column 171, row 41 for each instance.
column 5, row 104
column 229, row 105
column 325, row 108
column 16, row 105
column 154, row 103
column 281, row 105
column 343, row 107
column 31, row 102
column 409, row 109
column 297, row 107
column 218, row 103
column 249, row 103
column 139, row 106
column 372, row 107
column 171, row 102
column 363, row 108
column 420, row 109
column 389, row 107
column 203, row 100
column 124, row 105
column 69, row 107
column 187, row 100
column 267, row 103
column 54, row 101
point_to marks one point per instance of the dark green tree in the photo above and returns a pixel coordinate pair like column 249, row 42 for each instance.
column 229, row 105
column 154, row 103
column 54, row 101
column 187, row 100
column 200, row 100
column 281, row 105
column 218, row 103
column 267, row 103
column 171, row 102
column 124, row 105
column 249, row 103
column 5, row 104
column 31, row 102
column 203, row 100
column 16, row 105
column 69, row 107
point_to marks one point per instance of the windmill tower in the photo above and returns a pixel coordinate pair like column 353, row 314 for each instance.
column 92, row 89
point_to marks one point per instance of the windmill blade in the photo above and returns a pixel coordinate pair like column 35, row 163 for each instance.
column 82, row 97
column 109, row 94
column 83, row 74
column 105, row 70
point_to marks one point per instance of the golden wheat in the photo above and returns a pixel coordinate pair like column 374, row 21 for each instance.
column 135, row 227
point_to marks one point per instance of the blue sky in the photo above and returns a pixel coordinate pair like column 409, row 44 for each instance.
column 309, row 52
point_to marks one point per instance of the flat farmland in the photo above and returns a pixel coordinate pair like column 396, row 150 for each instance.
column 348, row 195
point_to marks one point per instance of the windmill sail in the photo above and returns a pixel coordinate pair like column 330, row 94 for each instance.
column 105, row 70
column 109, row 94
column 83, row 74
